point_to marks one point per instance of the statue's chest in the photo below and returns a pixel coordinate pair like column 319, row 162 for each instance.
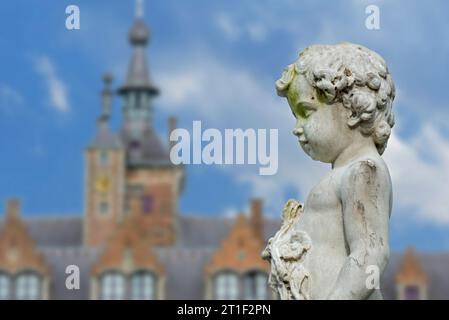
column 322, row 217
column 323, row 198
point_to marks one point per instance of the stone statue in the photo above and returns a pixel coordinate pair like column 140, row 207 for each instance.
column 341, row 96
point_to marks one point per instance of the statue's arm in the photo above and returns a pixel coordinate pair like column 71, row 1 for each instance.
column 365, row 195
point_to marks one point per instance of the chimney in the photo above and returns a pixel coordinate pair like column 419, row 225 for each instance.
column 256, row 217
column 172, row 124
column 13, row 208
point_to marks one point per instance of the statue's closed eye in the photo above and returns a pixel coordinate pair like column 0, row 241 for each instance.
column 308, row 113
column 304, row 110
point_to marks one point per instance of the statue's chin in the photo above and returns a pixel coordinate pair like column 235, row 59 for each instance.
column 314, row 155
column 307, row 150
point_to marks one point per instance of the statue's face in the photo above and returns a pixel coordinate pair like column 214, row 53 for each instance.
column 320, row 127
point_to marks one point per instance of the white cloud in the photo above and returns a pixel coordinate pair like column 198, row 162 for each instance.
column 10, row 94
column 226, row 96
column 57, row 90
column 234, row 29
column 9, row 97
column 227, row 26
column 257, row 31
column 420, row 171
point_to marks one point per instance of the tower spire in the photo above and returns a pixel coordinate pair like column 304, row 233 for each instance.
column 106, row 96
column 105, row 138
column 138, row 77
column 138, row 91
column 139, row 9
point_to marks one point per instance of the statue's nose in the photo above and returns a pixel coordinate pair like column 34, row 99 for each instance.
column 298, row 131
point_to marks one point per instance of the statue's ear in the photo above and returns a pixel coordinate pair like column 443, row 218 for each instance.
column 353, row 121
column 321, row 95
column 352, row 115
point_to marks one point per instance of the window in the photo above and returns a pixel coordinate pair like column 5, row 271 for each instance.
column 138, row 100
column 412, row 293
column 133, row 192
column 255, row 286
column 226, row 286
column 147, row 203
column 143, row 286
column 113, row 286
column 131, row 99
column 104, row 207
column 104, row 158
column 134, row 145
column 28, row 286
column 5, row 286
column 140, row 285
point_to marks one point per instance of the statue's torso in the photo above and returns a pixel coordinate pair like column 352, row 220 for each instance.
column 323, row 221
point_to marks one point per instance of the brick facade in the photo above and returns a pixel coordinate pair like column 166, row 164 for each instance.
column 240, row 250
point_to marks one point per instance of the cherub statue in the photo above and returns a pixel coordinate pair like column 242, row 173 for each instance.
column 341, row 96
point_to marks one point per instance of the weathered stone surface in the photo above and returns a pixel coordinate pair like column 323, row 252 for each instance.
column 341, row 96
column 287, row 251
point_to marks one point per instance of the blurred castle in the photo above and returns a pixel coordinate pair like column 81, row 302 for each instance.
column 132, row 242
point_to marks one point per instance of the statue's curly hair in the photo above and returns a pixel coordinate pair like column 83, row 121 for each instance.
column 353, row 75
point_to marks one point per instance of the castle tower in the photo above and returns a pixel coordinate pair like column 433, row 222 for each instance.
column 105, row 165
column 151, row 179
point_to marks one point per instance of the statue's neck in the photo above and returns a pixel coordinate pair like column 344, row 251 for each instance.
column 358, row 148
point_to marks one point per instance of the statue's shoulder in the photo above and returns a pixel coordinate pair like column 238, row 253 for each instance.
column 370, row 169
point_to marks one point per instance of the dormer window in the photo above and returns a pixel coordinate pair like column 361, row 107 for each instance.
column 28, row 286
column 113, row 286
column 226, row 286
column 143, row 286
column 140, row 285
column 5, row 286
column 252, row 285
column 411, row 292
column 25, row 285
column 255, row 286
column 411, row 279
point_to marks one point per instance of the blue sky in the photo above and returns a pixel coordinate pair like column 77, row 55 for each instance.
column 217, row 61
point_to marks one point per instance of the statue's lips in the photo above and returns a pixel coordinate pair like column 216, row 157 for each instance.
column 304, row 143
column 303, row 140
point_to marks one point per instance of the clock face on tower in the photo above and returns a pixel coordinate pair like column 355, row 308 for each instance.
column 102, row 184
